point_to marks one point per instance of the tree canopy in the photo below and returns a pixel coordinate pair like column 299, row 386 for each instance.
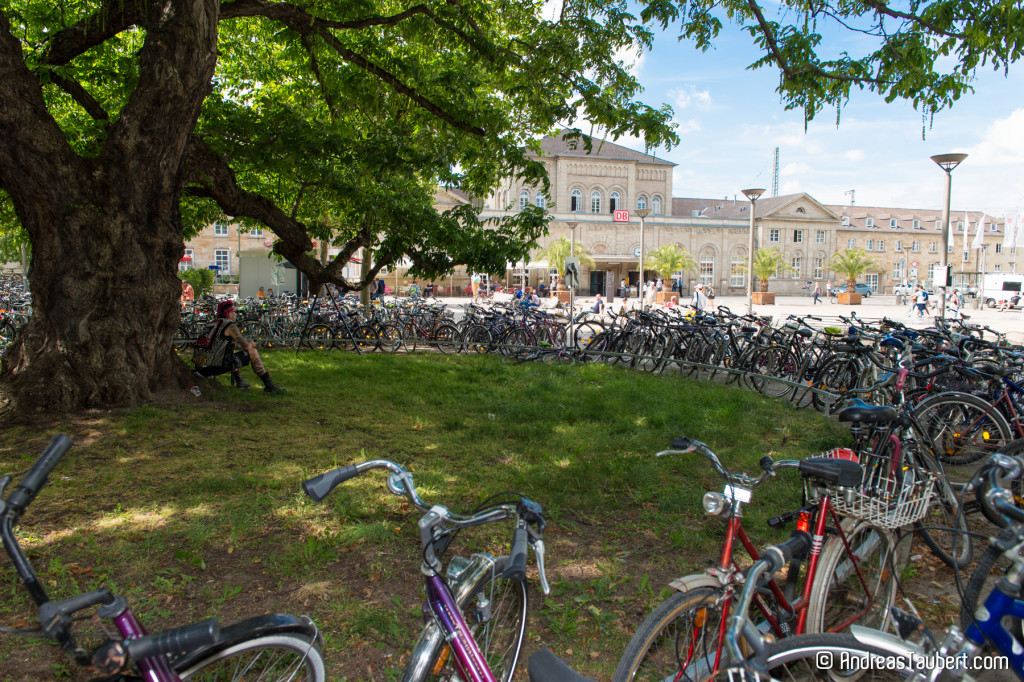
column 128, row 124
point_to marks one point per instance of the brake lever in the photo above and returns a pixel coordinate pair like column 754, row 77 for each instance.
column 537, row 542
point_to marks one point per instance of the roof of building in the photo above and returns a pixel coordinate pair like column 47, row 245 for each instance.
column 558, row 145
column 732, row 208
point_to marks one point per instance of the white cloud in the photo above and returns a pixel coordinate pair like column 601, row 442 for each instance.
column 794, row 169
column 632, row 57
column 688, row 126
column 854, row 155
column 1002, row 143
column 690, row 96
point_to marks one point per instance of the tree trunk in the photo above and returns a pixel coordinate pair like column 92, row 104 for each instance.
column 104, row 312
column 105, row 230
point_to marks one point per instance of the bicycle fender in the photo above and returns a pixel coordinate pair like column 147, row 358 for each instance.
column 693, row 582
column 251, row 628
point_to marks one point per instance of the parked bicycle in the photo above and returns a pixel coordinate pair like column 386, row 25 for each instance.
column 273, row 647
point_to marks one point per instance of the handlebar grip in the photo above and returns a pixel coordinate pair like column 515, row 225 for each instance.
column 516, row 567
column 172, row 641
column 318, row 486
column 35, row 479
column 777, row 556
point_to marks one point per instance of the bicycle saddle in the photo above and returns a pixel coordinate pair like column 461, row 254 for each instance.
column 545, row 666
column 860, row 411
column 841, row 472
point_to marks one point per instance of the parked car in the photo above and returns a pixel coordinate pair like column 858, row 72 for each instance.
column 862, row 289
column 903, row 288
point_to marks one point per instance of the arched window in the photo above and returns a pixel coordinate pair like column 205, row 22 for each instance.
column 706, row 266
column 541, row 201
column 595, row 202
column 656, row 205
column 613, row 202
column 576, row 201
column 641, row 202
column 738, row 268
column 524, row 200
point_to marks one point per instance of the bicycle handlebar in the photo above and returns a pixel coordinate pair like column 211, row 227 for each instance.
column 35, row 479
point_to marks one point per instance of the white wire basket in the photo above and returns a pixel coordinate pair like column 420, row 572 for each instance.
column 890, row 495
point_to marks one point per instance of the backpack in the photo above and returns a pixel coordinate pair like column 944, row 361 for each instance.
column 210, row 349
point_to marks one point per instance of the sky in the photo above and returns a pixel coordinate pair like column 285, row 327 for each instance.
column 730, row 120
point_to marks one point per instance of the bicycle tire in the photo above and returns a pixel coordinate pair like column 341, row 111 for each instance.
column 838, row 596
column 478, row 339
column 319, row 337
column 366, row 337
column 964, row 427
column 945, row 513
column 390, row 337
column 585, row 332
column 686, row 624
column 248, row 660
column 448, row 339
column 812, row 657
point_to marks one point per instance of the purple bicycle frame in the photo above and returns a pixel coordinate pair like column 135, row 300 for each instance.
column 469, row 661
column 153, row 669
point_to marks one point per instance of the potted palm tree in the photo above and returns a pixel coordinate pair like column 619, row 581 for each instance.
column 667, row 260
column 768, row 263
column 555, row 254
column 851, row 264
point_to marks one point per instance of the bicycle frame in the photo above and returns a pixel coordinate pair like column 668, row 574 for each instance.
column 999, row 605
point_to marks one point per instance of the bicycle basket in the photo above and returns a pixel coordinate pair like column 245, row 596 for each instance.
column 889, row 495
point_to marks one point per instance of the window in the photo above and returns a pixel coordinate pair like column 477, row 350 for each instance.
column 899, row 245
column 915, row 246
column 950, row 249
column 871, row 245
column 819, row 268
column 899, row 270
column 737, row 271
column 220, row 229
column 707, row 269
column 993, row 227
column 999, row 248
column 541, row 200
column 881, row 245
column 893, row 223
column 846, row 221
column 931, row 272
column 960, row 226
column 819, row 236
column 186, row 261
column 851, row 243
column 801, row 210
column 524, row 200
column 797, row 266
column 872, row 282
column 641, row 202
column 656, row 205
column 773, row 235
column 222, row 259
column 613, row 202
column 997, row 267
column 938, row 224
column 257, row 233
column 595, row 202
column 917, row 224
column 798, row 236
column 869, row 222
column 576, row 201
column 933, row 247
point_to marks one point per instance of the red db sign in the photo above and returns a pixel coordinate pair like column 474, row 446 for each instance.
column 621, row 216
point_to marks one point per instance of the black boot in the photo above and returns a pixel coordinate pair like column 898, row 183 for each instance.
column 237, row 380
column 268, row 384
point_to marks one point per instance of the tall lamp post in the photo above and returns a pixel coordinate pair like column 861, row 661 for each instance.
column 946, row 162
column 643, row 213
column 751, row 194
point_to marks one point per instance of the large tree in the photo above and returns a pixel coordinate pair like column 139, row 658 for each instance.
column 127, row 123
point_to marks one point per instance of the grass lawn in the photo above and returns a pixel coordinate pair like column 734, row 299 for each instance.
column 193, row 509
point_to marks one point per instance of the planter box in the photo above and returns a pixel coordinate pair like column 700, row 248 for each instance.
column 850, row 299
column 563, row 297
column 763, row 298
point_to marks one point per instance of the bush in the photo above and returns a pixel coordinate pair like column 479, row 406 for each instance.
column 201, row 280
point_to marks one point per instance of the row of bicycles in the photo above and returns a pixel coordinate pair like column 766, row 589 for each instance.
column 15, row 309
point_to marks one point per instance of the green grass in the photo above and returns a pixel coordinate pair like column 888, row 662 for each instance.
column 194, row 509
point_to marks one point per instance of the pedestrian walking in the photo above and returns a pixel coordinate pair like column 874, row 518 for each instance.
column 817, row 293
column 699, row 300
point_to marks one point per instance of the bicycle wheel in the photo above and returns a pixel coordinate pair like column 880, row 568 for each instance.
column 832, row 657
column 964, row 427
column 448, row 339
column 944, row 528
column 366, row 337
column 181, row 341
column 318, row 337
column 678, row 641
column 837, row 376
column 479, row 339
column 390, row 338
column 857, row 586
column 272, row 657
column 495, row 610
column 584, row 333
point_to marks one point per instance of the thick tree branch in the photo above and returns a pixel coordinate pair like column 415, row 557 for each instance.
column 112, row 18
column 80, row 95
column 882, row 8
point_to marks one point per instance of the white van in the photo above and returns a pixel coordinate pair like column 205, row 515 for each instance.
column 1001, row 286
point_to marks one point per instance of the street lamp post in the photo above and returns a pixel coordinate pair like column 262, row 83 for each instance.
column 946, row 162
column 643, row 213
column 751, row 194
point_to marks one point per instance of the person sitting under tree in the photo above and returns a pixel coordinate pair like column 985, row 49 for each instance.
column 223, row 337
